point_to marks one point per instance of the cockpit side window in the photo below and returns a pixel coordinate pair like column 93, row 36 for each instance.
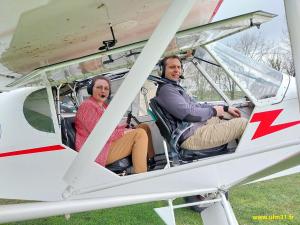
column 37, row 112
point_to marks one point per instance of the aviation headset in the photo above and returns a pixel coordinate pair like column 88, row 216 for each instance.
column 162, row 65
column 91, row 84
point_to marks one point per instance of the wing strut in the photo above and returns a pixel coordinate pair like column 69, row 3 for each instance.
column 292, row 10
column 151, row 53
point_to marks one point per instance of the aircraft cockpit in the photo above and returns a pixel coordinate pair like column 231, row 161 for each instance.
column 215, row 74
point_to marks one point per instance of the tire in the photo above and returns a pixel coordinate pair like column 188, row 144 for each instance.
column 195, row 198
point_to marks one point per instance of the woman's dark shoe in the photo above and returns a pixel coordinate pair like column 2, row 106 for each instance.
column 151, row 164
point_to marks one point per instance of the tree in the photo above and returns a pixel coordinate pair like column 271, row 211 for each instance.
column 253, row 45
column 277, row 55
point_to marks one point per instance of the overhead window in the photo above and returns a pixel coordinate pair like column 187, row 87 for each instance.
column 37, row 112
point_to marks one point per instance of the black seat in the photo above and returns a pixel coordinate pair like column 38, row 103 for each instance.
column 172, row 134
column 68, row 131
column 121, row 166
column 68, row 138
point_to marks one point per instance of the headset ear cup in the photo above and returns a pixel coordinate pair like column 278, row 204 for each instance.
column 182, row 72
column 163, row 72
column 162, row 68
column 109, row 95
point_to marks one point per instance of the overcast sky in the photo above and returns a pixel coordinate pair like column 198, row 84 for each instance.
column 272, row 29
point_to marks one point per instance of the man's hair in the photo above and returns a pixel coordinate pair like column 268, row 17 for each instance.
column 163, row 64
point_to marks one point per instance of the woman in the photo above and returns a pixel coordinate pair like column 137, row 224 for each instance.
column 135, row 142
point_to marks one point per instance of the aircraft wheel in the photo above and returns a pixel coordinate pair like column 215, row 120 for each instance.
column 195, row 198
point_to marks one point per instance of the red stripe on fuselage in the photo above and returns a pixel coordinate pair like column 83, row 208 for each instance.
column 33, row 150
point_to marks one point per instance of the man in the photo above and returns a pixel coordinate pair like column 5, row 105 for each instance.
column 208, row 129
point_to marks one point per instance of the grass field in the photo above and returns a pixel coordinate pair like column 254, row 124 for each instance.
column 276, row 197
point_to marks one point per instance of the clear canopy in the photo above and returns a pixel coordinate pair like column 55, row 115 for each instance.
column 255, row 78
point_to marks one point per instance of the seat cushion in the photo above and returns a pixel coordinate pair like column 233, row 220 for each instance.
column 120, row 165
column 190, row 155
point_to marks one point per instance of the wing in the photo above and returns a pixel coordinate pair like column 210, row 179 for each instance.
column 186, row 39
column 41, row 33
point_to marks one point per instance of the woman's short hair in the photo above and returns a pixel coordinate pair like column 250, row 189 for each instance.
column 93, row 81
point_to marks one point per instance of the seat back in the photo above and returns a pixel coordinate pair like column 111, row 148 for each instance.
column 162, row 120
column 68, row 131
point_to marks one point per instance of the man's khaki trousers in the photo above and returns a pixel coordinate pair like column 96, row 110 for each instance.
column 215, row 132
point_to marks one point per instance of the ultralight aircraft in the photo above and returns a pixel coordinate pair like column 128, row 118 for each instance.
column 49, row 51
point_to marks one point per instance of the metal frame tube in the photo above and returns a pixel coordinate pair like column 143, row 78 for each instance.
column 52, row 109
column 292, row 10
column 210, row 80
column 206, row 202
column 171, row 208
column 26, row 211
column 74, row 93
column 58, row 104
column 228, row 210
column 166, row 154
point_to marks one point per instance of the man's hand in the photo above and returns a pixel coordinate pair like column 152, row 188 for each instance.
column 220, row 111
column 234, row 112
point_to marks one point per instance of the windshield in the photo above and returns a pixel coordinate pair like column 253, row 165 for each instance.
column 256, row 79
